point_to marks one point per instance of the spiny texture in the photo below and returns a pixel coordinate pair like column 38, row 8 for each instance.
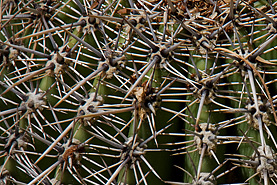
column 138, row 92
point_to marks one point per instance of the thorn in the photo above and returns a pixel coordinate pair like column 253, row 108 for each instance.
column 202, row 100
column 83, row 11
column 30, row 76
column 254, row 54
column 150, row 106
column 145, row 39
column 165, row 52
column 27, row 50
column 150, row 65
column 216, row 159
column 63, row 134
column 104, row 67
column 201, row 161
column 95, row 51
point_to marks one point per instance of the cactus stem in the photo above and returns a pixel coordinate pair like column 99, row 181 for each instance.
column 195, row 67
column 61, row 136
column 180, row 112
column 79, row 99
column 151, row 137
column 119, row 168
column 220, row 104
column 150, row 167
column 95, row 51
column 56, row 129
column 43, row 140
column 31, row 75
column 5, row 162
column 258, row 74
column 24, row 97
column 270, row 134
column 104, row 67
column 45, row 172
column 252, row 176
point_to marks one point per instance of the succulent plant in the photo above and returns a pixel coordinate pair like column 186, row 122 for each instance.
column 138, row 92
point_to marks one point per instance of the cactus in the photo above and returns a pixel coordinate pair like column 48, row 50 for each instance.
column 138, row 92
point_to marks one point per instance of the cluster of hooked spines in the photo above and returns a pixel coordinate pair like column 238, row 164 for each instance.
column 99, row 92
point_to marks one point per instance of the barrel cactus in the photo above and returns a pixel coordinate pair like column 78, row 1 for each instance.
column 138, row 92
